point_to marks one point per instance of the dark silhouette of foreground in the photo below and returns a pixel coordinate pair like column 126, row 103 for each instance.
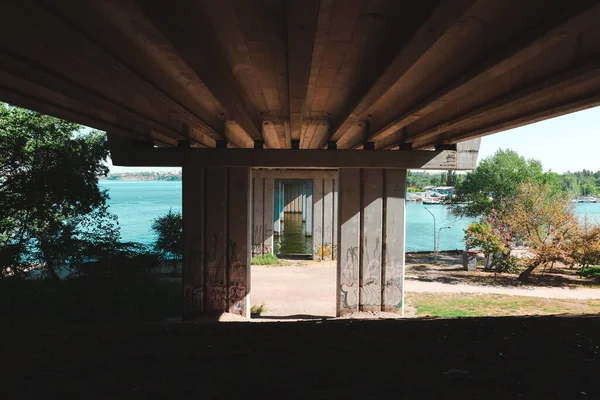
column 543, row 357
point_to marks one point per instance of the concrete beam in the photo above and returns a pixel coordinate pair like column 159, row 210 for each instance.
column 302, row 20
column 529, row 45
column 438, row 23
column 263, row 158
column 546, row 86
column 566, row 107
column 294, row 173
column 215, row 71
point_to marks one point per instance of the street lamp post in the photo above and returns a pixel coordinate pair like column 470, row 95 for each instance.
column 434, row 242
column 438, row 239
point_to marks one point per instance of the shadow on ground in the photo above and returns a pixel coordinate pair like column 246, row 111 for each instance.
column 544, row 357
column 421, row 267
column 292, row 317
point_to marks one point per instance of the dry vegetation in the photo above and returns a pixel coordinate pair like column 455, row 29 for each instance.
column 449, row 270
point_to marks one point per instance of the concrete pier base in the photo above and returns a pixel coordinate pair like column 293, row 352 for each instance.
column 371, row 245
column 216, row 210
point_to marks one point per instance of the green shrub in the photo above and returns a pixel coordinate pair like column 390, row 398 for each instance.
column 591, row 272
column 258, row 310
column 266, row 259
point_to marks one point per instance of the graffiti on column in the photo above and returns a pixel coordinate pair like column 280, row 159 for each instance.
column 257, row 240
column 392, row 291
column 237, row 282
column 326, row 251
column 258, row 246
column 370, row 288
column 349, row 287
column 215, row 287
column 193, row 292
column 192, row 296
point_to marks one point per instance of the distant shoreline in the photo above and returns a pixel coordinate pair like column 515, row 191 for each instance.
column 144, row 176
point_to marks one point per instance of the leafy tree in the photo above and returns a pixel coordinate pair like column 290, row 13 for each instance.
column 539, row 218
column 493, row 243
column 495, row 180
column 451, row 178
column 584, row 249
column 51, row 209
column 545, row 222
column 169, row 229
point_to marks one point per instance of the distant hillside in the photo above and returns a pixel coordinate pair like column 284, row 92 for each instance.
column 144, row 176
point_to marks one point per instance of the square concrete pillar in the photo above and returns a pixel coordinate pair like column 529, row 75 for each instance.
column 268, row 185
column 304, row 202
column 216, row 228
column 318, row 201
column 263, row 215
column 309, row 208
column 258, row 196
column 277, row 208
column 371, row 240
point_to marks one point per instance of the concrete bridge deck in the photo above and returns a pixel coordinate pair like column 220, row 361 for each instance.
column 302, row 74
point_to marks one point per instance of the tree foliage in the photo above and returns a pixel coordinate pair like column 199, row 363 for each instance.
column 495, row 180
column 494, row 244
column 51, row 209
column 169, row 229
column 537, row 217
column 584, row 249
column 542, row 220
column 417, row 180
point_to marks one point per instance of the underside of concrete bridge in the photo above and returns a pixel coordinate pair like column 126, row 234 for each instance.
column 230, row 89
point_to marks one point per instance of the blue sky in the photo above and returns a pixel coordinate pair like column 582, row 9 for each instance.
column 567, row 143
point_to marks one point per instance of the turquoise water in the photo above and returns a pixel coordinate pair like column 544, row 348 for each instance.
column 293, row 239
column 137, row 203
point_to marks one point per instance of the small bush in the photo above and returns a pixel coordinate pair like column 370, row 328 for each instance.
column 510, row 265
column 258, row 310
column 591, row 272
column 266, row 259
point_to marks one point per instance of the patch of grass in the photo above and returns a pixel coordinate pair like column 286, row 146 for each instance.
column 256, row 310
column 268, row 259
column 451, row 305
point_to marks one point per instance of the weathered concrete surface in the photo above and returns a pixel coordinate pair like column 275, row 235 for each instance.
column 348, row 279
column 216, row 220
column 297, row 74
column 371, row 239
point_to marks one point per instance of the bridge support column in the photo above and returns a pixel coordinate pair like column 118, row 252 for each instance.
column 216, row 231
column 371, row 240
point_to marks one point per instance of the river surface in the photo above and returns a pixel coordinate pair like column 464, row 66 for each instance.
column 138, row 203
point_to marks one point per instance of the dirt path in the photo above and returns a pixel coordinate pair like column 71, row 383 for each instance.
column 307, row 290
column 546, row 292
